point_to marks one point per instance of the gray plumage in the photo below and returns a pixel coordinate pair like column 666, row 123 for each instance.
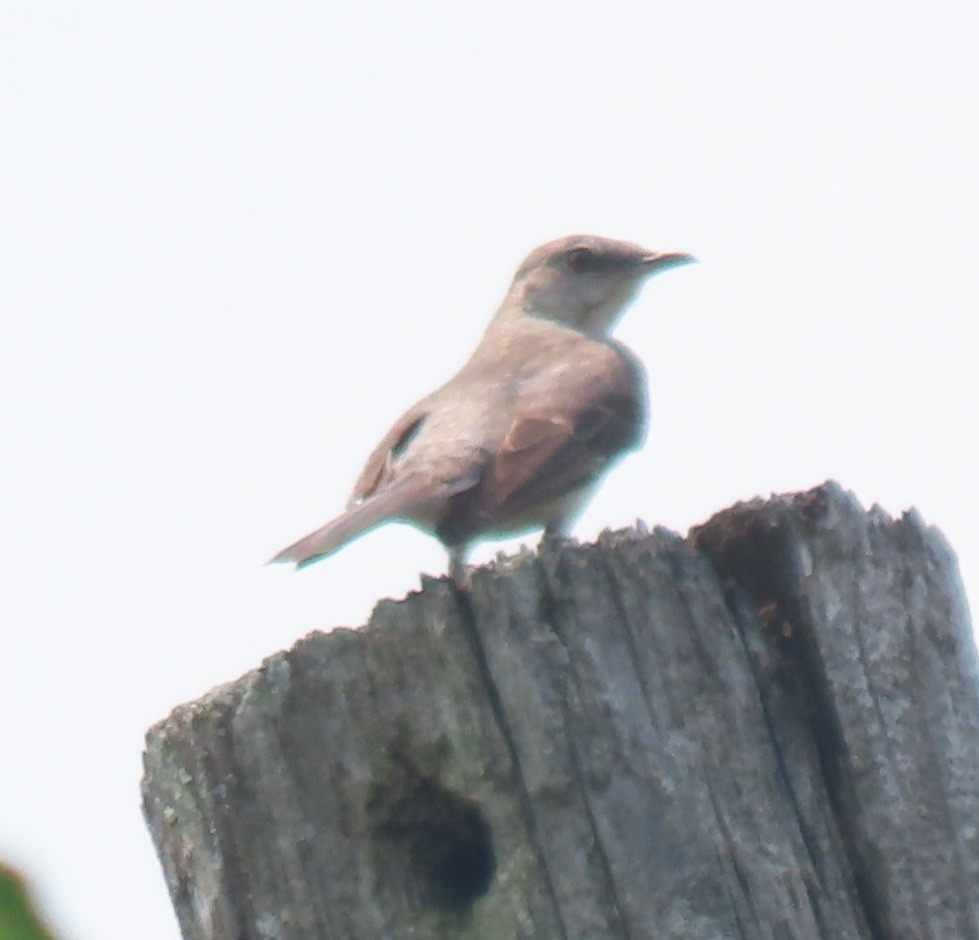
column 522, row 433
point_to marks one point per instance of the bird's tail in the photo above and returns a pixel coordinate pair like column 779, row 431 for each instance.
column 400, row 502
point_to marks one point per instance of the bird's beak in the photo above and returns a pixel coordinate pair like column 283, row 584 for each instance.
column 661, row 260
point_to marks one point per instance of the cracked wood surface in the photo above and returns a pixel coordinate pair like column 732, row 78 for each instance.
column 768, row 730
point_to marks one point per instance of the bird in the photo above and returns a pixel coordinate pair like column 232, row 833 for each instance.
column 520, row 436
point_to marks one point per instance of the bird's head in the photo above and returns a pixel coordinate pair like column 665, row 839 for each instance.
column 586, row 282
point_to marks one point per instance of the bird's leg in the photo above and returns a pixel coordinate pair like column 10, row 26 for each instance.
column 558, row 527
column 458, row 570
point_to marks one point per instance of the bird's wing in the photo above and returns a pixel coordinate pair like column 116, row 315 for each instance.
column 377, row 470
column 566, row 430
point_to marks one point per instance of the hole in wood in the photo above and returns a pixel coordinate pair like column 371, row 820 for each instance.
column 444, row 839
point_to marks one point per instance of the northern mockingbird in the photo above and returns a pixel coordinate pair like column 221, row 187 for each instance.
column 519, row 436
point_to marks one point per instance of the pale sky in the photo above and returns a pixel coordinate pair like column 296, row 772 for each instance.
column 239, row 239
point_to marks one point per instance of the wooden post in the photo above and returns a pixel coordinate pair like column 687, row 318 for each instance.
column 768, row 730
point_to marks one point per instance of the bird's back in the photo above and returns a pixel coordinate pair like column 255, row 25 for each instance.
column 556, row 409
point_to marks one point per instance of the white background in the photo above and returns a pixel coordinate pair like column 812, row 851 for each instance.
column 239, row 239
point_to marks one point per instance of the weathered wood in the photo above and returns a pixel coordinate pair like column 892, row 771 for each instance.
column 769, row 730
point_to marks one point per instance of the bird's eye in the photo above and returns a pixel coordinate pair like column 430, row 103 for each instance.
column 579, row 259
